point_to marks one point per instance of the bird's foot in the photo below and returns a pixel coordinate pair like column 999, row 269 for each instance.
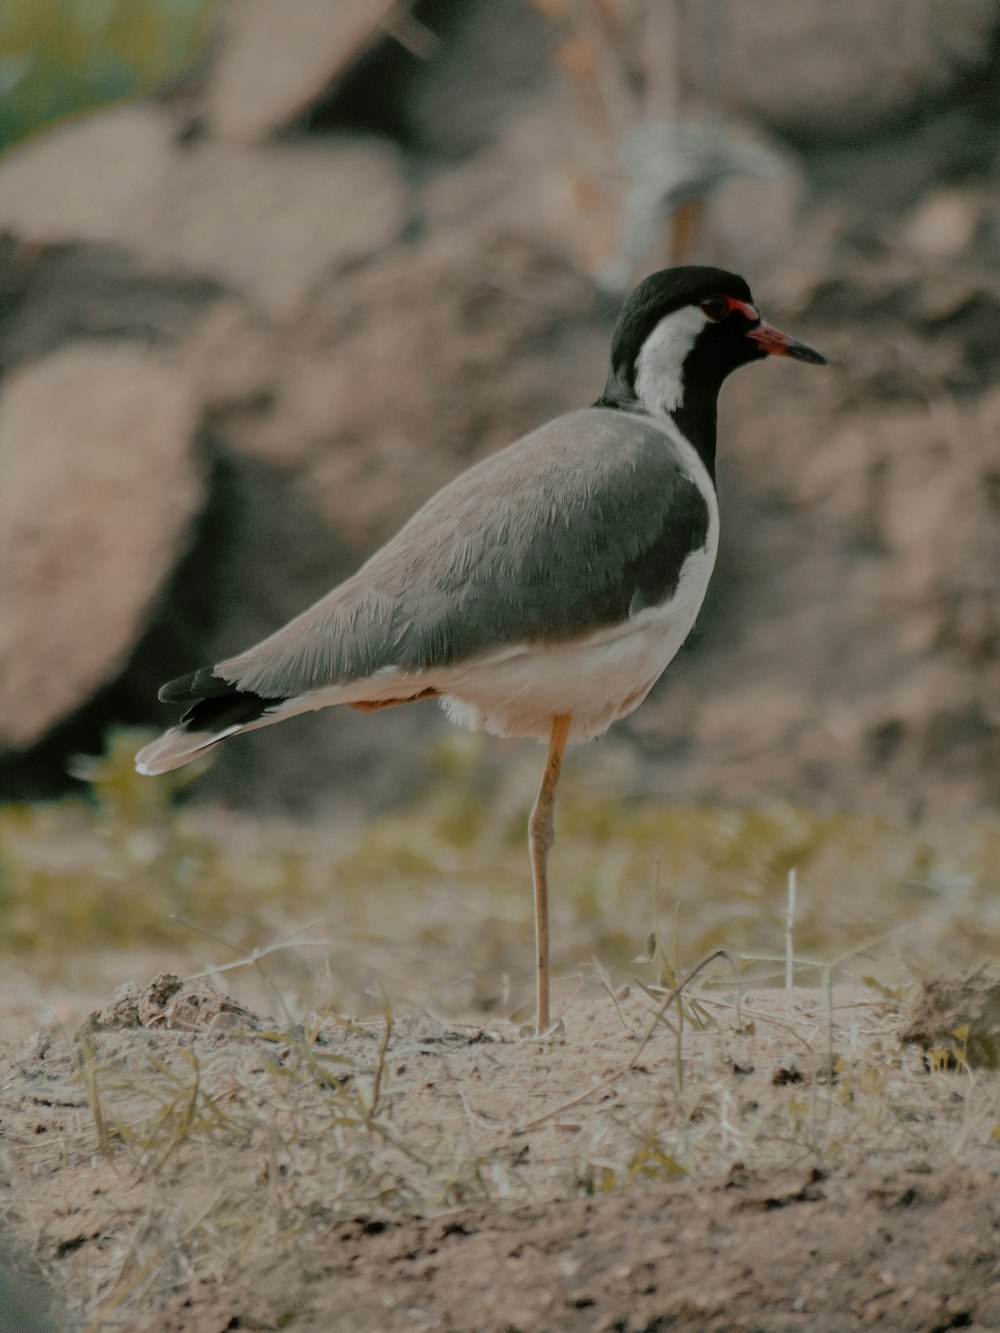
column 530, row 1032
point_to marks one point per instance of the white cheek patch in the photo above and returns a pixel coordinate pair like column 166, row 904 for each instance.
column 659, row 370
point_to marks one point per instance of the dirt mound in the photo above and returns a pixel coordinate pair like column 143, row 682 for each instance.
column 959, row 1018
column 174, row 1005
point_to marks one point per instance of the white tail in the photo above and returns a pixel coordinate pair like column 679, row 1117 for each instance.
column 175, row 748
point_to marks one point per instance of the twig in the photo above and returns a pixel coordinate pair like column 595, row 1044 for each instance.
column 605, row 981
column 253, row 958
column 786, row 1023
column 790, row 930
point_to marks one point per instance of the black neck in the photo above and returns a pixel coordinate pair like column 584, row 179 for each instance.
column 697, row 422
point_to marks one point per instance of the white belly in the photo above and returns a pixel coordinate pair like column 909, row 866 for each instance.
column 517, row 691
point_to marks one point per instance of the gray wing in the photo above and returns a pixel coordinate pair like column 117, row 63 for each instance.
column 568, row 530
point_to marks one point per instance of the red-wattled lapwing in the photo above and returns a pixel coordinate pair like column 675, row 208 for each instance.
column 543, row 591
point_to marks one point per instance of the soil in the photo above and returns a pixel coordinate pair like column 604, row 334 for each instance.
column 775, row 1160
column 902, row 1249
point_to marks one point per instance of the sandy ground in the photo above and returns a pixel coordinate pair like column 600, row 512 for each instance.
column 749, row 1159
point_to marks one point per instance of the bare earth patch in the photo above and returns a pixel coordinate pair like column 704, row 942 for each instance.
column 742, row 1159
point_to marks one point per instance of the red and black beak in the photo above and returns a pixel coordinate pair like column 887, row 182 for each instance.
column 772, row 341
column 775, row 343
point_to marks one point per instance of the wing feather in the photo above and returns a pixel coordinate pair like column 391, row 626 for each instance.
column 588, row 518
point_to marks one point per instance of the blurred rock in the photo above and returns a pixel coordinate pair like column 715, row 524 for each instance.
column 466, row 335
column 269, row 223
column 446, row 325
column 348, row 321
column 230, row 358
column 943, row 225
column 764, row 227
column 276, row 59
column 899, row 477
column 810, row 68
column 932, row 465
column 88, row 179
column 54, row 293
column 100, row 485
column 540, row 176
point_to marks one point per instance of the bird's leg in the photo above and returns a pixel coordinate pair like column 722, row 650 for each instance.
column 541, row 835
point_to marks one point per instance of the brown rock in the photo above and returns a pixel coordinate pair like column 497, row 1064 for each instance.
column 100, row 485
column 268, row 222
column 271, row 222
column 276, row 59
column 511, row 184
column 944, row 224
column 55, row 294
column 805, row 65
column 936, row 464
column 87, row 179
column 229, row 357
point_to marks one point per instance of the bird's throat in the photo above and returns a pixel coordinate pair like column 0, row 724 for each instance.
column 697, row 419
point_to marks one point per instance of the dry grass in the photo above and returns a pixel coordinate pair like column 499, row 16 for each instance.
column 434, row 901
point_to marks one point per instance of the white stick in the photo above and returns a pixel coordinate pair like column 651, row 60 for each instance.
column 790, row 930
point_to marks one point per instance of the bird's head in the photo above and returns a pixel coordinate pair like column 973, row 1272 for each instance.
column 681, row 332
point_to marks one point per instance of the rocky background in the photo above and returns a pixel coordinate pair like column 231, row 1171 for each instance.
column 249, row 323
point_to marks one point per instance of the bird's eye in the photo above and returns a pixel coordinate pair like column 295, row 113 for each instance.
column 715, row 308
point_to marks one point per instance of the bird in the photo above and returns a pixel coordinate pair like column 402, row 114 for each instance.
column 542, row 592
